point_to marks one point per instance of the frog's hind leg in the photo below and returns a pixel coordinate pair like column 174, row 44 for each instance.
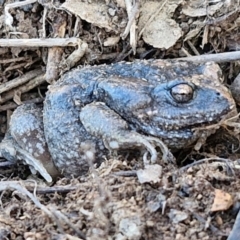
column 116, row 134
column 25, row 141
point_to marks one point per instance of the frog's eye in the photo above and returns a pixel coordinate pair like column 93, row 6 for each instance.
column 182, row 93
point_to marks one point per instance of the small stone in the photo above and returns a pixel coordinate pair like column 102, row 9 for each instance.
column 177, row 216
column 199, row 197
column 201, row 235
column 219, row 220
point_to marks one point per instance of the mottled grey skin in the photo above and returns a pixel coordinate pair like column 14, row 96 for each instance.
column 129, row 105
column 25, row 139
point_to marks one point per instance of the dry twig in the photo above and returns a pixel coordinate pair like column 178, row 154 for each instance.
column 13, row 105
column 55, row 53
column 18, row 59
column 22, row 89
column 216, row 57
column 14, row 185
column 36, row 42
column 53, row 214
column 227, row 162
column 64, row 219
column 7, row 86
column 132, row 12
column 130, row 173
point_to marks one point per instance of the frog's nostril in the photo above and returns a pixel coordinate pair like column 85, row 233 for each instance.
column 182, row 93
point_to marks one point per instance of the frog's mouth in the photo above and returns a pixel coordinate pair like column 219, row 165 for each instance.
column 215, row 119
column 184, row 127
column 188, row 117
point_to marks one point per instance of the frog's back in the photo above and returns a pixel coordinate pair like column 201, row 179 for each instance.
column 152, row 71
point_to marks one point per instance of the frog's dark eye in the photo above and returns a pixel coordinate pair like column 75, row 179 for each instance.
column 182, row 93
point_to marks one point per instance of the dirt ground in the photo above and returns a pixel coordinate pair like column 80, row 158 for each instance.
column 39, row 41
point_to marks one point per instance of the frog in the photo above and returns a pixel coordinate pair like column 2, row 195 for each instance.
column 155, row 106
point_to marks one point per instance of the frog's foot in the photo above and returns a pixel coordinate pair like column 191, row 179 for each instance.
column 115, row 132
column 131, row 139
column 167, row 156
column 25, row 141
column 10, row 150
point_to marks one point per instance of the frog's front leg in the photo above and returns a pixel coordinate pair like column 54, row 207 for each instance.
column 72, row 148
column 115, row 132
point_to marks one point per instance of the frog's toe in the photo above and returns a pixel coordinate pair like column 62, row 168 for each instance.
column 151, row 143
column 167, row 156
column 131, row 140
column 7, row 149
column 10, row 150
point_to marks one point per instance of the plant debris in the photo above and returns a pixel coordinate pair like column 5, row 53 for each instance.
column 197, row 198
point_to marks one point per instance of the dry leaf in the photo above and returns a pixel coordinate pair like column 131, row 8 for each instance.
column 193, row 33
column 222, row 201
column 162, row 31
column 200, row 8
column 17, row 97
column 95, row 12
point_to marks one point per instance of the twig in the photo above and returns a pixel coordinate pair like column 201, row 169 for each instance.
column 18, row 59
column 16, row 186
column 215, row 230
column 55, row 53
column 227, row 162
column 64, row 219
column 216, row 57
column 193, row 48
column 132, row 12
column 100, row 203
column 13, row 105
column 222, row 18
column 122, row 54
column 185, row 52
column 75, row 56
column 22, row 89
column 28, row 184
column 36, row 42
column 15, row 66
column 4, row 87
column 6, row 164
column 32, row 62
column 107, row 56
column 55, row 189
column 53, row 214
column 130, row 173
column 76, row 26
column 45, row 10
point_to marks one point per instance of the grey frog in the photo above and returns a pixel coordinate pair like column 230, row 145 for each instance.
column 121, row 106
